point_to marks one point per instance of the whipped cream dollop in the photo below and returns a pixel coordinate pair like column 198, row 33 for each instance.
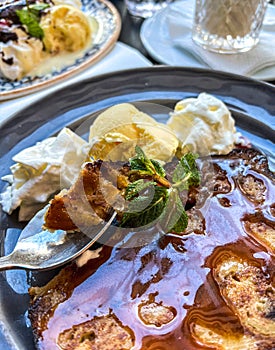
column 203, row 125
column 41, row 170
column 19, row 56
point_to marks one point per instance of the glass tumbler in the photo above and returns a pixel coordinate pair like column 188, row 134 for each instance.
column 228, row 26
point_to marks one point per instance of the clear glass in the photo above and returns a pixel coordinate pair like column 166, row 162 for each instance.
column 145, row 8
column 228, row 26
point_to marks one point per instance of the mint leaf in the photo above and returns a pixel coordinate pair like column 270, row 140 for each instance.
column 141, row 162
column 186, row 173
column 136, row 187
column 36, row 8
column 155, row 198
column 158, row 168
column 182, row 221
column 174, row 217
column 30, row 18
column 30, row 21
column 146, row 216
column 143, row 167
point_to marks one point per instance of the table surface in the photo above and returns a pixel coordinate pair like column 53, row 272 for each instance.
column 130, row 31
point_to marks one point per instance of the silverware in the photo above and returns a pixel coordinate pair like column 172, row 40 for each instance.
column 38, row 249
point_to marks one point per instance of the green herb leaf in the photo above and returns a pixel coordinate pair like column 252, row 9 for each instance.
column 30, row 18
column 182, row 221
column 174, row 217
column 30, row 21
column 149, row 214
column 36, row 8
column 158, row 168
column 135, row 188
column 155, row 198
column 138, row 162
column 186, row 173
column 142, row 163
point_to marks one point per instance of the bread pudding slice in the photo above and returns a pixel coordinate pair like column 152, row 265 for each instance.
column 208, row 287
column 90, row 200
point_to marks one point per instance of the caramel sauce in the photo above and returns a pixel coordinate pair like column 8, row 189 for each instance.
column 173, row 272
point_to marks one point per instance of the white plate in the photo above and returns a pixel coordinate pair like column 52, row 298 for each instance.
column 109, row 23
column 121, row 57
column 156, row 39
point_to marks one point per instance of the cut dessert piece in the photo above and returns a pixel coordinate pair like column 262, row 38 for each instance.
column 261, row 228
column 156, row 314
column 89, row 201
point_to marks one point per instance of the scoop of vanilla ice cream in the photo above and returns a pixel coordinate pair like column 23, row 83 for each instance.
column 116, row 132
column 41, row 170
column 66, row 28
column 18, row 57
column 203, row 125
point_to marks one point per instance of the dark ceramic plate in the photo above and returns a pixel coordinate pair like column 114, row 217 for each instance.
column 251, row 102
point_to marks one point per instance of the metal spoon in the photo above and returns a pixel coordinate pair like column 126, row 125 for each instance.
column 38, row 249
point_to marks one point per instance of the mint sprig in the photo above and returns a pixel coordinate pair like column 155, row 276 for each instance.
column 149, row 211
column 152, row 197
column 30, row 17
column 142, row 167
column 186, row 173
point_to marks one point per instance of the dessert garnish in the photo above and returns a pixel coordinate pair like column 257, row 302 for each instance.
column 147, row 176
column 30, row 17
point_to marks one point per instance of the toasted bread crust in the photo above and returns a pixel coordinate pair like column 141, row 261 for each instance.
column 92, row 335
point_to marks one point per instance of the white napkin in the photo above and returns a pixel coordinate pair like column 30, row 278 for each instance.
column 179, row 24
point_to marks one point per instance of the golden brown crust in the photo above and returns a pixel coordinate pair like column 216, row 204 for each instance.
column 100, row 333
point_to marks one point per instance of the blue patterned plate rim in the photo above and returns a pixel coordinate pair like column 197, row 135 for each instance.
column 107, row 15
